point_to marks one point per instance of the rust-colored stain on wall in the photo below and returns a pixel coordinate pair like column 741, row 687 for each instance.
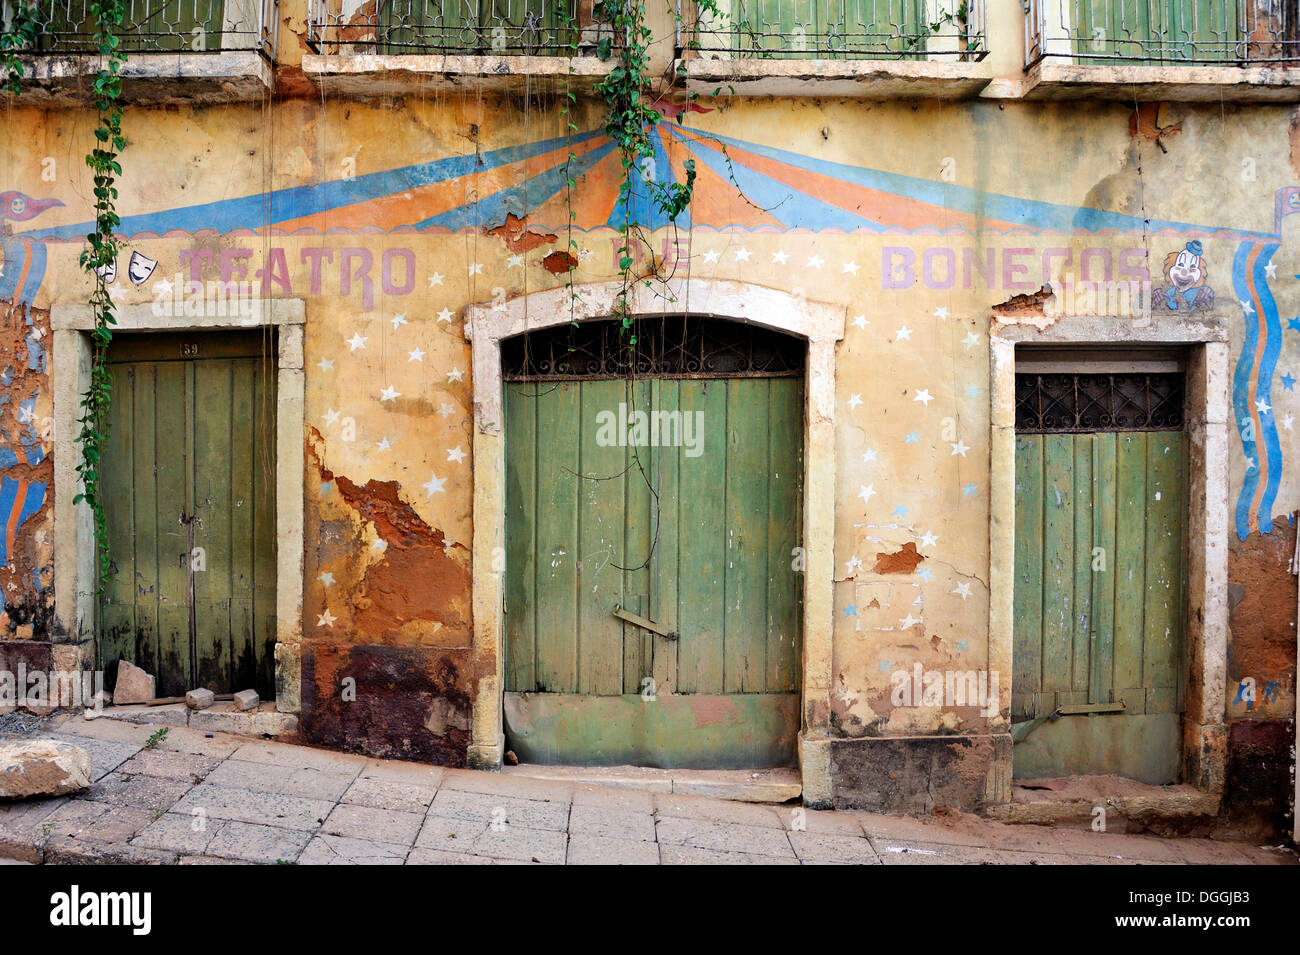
column 1261, row 616
column 904, row 561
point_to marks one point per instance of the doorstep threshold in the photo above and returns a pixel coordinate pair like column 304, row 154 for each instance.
column 1128, row 804
column 739, row 785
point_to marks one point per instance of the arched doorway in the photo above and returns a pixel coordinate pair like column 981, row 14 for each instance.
column 653, row 574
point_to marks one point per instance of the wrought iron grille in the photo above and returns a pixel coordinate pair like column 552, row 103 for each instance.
column 157, row 26
column 1079, row 403
column 1163, row 32
column 481, row 27
column 840, row 29
column 665, row 348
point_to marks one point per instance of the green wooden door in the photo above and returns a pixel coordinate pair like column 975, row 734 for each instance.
column 189, row 497
column 1098, row 603
column 691, row 525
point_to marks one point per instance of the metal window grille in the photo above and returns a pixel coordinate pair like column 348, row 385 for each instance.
column 665, row 348
column 477, row 27
column 1055, row 403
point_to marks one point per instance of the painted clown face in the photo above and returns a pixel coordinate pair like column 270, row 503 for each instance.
column 18, row 206
column 1187, row 271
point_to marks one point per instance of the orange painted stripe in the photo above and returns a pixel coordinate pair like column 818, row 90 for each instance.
column 593, row 201
column 716, row 201
column 11, row 529
column 884, row 208
column 415, row 205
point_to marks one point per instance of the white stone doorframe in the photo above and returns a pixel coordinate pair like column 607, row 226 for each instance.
column 820, row 325
column 74, row 541
column 1207, row 410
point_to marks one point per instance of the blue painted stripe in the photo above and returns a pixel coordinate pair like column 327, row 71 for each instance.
column 645, row 210
column 1264, row 386
column 1241, row 408
column 8, row 491
column 794, row 210
column 1026, row 212
column 15, row 256
column 258, row 210
column 520, row 199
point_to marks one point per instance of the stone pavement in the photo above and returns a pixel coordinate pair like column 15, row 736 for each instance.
column 194, row 798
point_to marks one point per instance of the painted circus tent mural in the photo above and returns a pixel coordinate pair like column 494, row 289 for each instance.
column 1200, row 266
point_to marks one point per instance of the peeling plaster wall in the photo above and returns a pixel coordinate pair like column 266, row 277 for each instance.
column 959, row 208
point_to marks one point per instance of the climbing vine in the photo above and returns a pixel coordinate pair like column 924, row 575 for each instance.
column 104, row 245
column 100, row 257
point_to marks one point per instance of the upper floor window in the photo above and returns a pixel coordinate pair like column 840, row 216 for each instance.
column 480, row 27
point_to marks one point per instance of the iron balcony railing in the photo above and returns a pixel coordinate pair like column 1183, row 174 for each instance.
column 157, row 26
column 481, row 27
column 1163, row 32
column 839, row 29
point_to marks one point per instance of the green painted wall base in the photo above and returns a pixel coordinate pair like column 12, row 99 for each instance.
column 681, row 731
column 1139, row 746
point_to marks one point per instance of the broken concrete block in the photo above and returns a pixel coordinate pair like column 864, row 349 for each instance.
column 247, row 700
column 200, row 699
column 133, row 685
column 42, row 767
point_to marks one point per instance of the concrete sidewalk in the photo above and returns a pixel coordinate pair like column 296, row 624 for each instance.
column 193, row 798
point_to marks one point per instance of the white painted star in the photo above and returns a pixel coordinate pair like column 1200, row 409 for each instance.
column 961, row 447
column 445, row 409
column 115, row 292
column 515, row 262
column 1262, row 406
column 860, row 321
column 380, row 545
column 854, row 563
column 779, row 257
column 435, row 279
column 476, row 268
column 855, row 400
column 1270, row 271
column 434, row 486
column 971, row 340
column 908, row 622
column 866, row 492
column 399, row 319
column 26, row 415
column 868, row 455
column 326, row 619
column 356, row 341
column 903, row 334
column 584, row 254
column 962, row 591
column 742, row 254
column 1250, row 464
column 851, row 267
column 326, row 578
column 455, row 374
column 941, row 313
column 445, row 315
column 325, row 364
column 331, row 416
column 1246, row 306
column 389, row 394
column 455, row 454
column 928, row 539
column 163, row 287
column 416, row 355
column 814, row 262
column 710, row 256
column 1289, row 422
column 924, row 397
column 383, row 445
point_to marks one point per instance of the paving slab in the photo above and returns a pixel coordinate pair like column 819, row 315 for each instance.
column 724, row 837
column 170, row 764
column 611, row 823
column 588, row 849
column 475, row 837
column 692, row 855
column 720, row 810
column 341, row 850
column 255, row 843
column 313, row 783
column 261, row 808
column 378, row 825
column 815, row 848
column 370, row 789
column 487, row 808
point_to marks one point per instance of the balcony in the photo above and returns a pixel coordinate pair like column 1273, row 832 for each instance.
column 178, row 51
column 869, row 48
column 390, row 47
column 1190, row 50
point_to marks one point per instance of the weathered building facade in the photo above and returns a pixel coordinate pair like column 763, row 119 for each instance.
column 957, row 446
